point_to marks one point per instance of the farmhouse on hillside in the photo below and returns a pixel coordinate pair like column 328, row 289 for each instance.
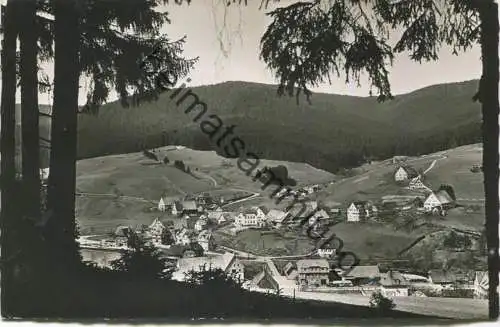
column 360, row 210
column 416, row 183
column 393, row 284
column 313, row 272
column 253, row 217
column 438, row 200
column 226, row 262
column 405, row 173
column 161, row 205
column 276, row 217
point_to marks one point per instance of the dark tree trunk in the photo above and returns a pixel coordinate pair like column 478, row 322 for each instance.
column 62, row 177
column 29, row 111
column 488, row 95
column 8, row 183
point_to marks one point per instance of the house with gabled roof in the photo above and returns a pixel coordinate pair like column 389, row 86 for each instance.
column 205, row 239
column 313, row 272
column 276, row 217
column 441, row 277
column 226, row 262
column 438, row 200
column 185, row 236
column 360, row 210
column 393, row 283
column 185, row 208
column 253, row 217
column 155, row 230
column 201, row 223
column 161, row 205
column 404, row 173
column 361, row 275
column 481, row 284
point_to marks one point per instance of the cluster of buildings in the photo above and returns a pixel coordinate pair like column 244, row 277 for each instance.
column 317, row 275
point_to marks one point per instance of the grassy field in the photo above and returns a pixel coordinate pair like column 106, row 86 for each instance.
column 98, row 216
column 372, row 240
column 141, row 182
column 266, row 243
column 455, row 170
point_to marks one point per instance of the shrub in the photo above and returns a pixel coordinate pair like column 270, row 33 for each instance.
column 143, row 261
column 381, row 303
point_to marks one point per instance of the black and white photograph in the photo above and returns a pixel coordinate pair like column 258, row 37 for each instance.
column 250, row 161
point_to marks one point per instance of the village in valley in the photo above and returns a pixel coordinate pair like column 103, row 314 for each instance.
column 264, row 246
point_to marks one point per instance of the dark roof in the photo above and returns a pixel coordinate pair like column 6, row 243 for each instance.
column 364, row 272
column 189, row 205
column 264, row 209
column 393, row 278
column 442, row 276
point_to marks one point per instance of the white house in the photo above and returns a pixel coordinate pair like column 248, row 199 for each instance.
column 205, row 239
column 360, row 210
column 439, row 199
column 481, row 284
column 404, row 173
column 393, row 284
column 416, row 183
column 218, row 216
column 226, row 262
column 161, row 205
column 253, row 217
column 201, row 223
column 156, row 230
column 184, row 237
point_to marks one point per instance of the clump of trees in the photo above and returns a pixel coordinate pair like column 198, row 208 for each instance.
column 381, row 303
column 449, row 189
column 142, row 261
column 457, row 241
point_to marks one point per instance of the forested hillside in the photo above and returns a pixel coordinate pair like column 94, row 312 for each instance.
column 333, row 132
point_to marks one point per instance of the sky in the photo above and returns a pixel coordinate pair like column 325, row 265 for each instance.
column 226, row 39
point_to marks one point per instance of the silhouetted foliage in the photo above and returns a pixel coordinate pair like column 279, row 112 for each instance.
column 457, row 241
column 196, row 248
column 381, row 303
column 213, row 278
column 167, row 238
column 142, row 261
